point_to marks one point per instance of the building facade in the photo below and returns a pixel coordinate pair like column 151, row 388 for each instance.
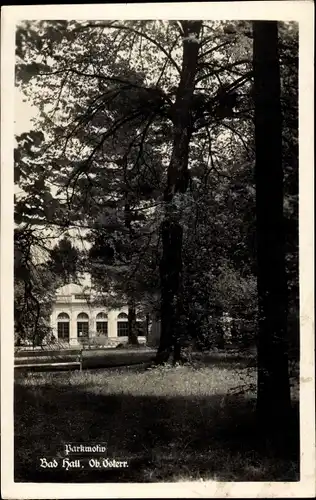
column 77, row 318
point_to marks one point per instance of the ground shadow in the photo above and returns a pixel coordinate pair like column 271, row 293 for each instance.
column 162, row 438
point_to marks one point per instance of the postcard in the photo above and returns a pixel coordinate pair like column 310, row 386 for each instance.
column 157, row 237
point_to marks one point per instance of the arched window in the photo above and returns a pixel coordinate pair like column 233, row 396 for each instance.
column 102, row 315
column 102, row 324
column 63, row 317
column 122, row 325
column 83, row 316
column 83, row 325
column 63, row 324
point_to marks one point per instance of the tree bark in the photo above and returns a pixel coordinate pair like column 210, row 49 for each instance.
column 147, row 327
column 219, row 330
column 132, row 327
column 177, row 182
column 273, row 391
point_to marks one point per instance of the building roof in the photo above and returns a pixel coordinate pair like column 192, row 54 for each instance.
column 82, row 286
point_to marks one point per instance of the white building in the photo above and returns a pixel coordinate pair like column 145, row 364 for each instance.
column 78, row 318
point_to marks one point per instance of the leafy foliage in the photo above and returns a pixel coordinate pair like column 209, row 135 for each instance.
column 100, row 156
column 34, row 290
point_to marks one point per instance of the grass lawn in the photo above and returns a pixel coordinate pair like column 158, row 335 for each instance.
column 170, row 424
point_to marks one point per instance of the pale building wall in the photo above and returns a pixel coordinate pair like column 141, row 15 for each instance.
column 67, row 303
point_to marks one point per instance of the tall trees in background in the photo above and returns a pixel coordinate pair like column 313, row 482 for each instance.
column 273, row 381
column 64, row 261
column 147, row 137
column 33, row 288
column 161, row 91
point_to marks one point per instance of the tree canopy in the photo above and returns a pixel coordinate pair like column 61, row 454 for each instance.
column 145, row 143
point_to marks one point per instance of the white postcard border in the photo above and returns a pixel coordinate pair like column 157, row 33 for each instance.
column 300, row 11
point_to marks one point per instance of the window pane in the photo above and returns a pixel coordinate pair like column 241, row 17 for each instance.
column 122, row 328
column 83, row 329
column 83, row 316
column 102, row 327
column 64, row 316
column 122, row 316
column 101, row 316
column 63, row 330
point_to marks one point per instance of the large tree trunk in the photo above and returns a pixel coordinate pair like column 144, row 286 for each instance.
column 273, row 398
column 170, row 276
column 177, row 182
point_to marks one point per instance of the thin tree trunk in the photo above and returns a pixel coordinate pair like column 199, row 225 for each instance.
column 219, row 330
column 147, row 327
column 177, row 182
column 273, row 398
column 132, row 327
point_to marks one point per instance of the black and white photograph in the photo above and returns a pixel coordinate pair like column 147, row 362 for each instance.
column 157, row 250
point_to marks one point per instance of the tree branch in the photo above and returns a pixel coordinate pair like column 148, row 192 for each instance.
column 209, row 51
column 105, row 136
column 139, row 33
column 221, row 69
